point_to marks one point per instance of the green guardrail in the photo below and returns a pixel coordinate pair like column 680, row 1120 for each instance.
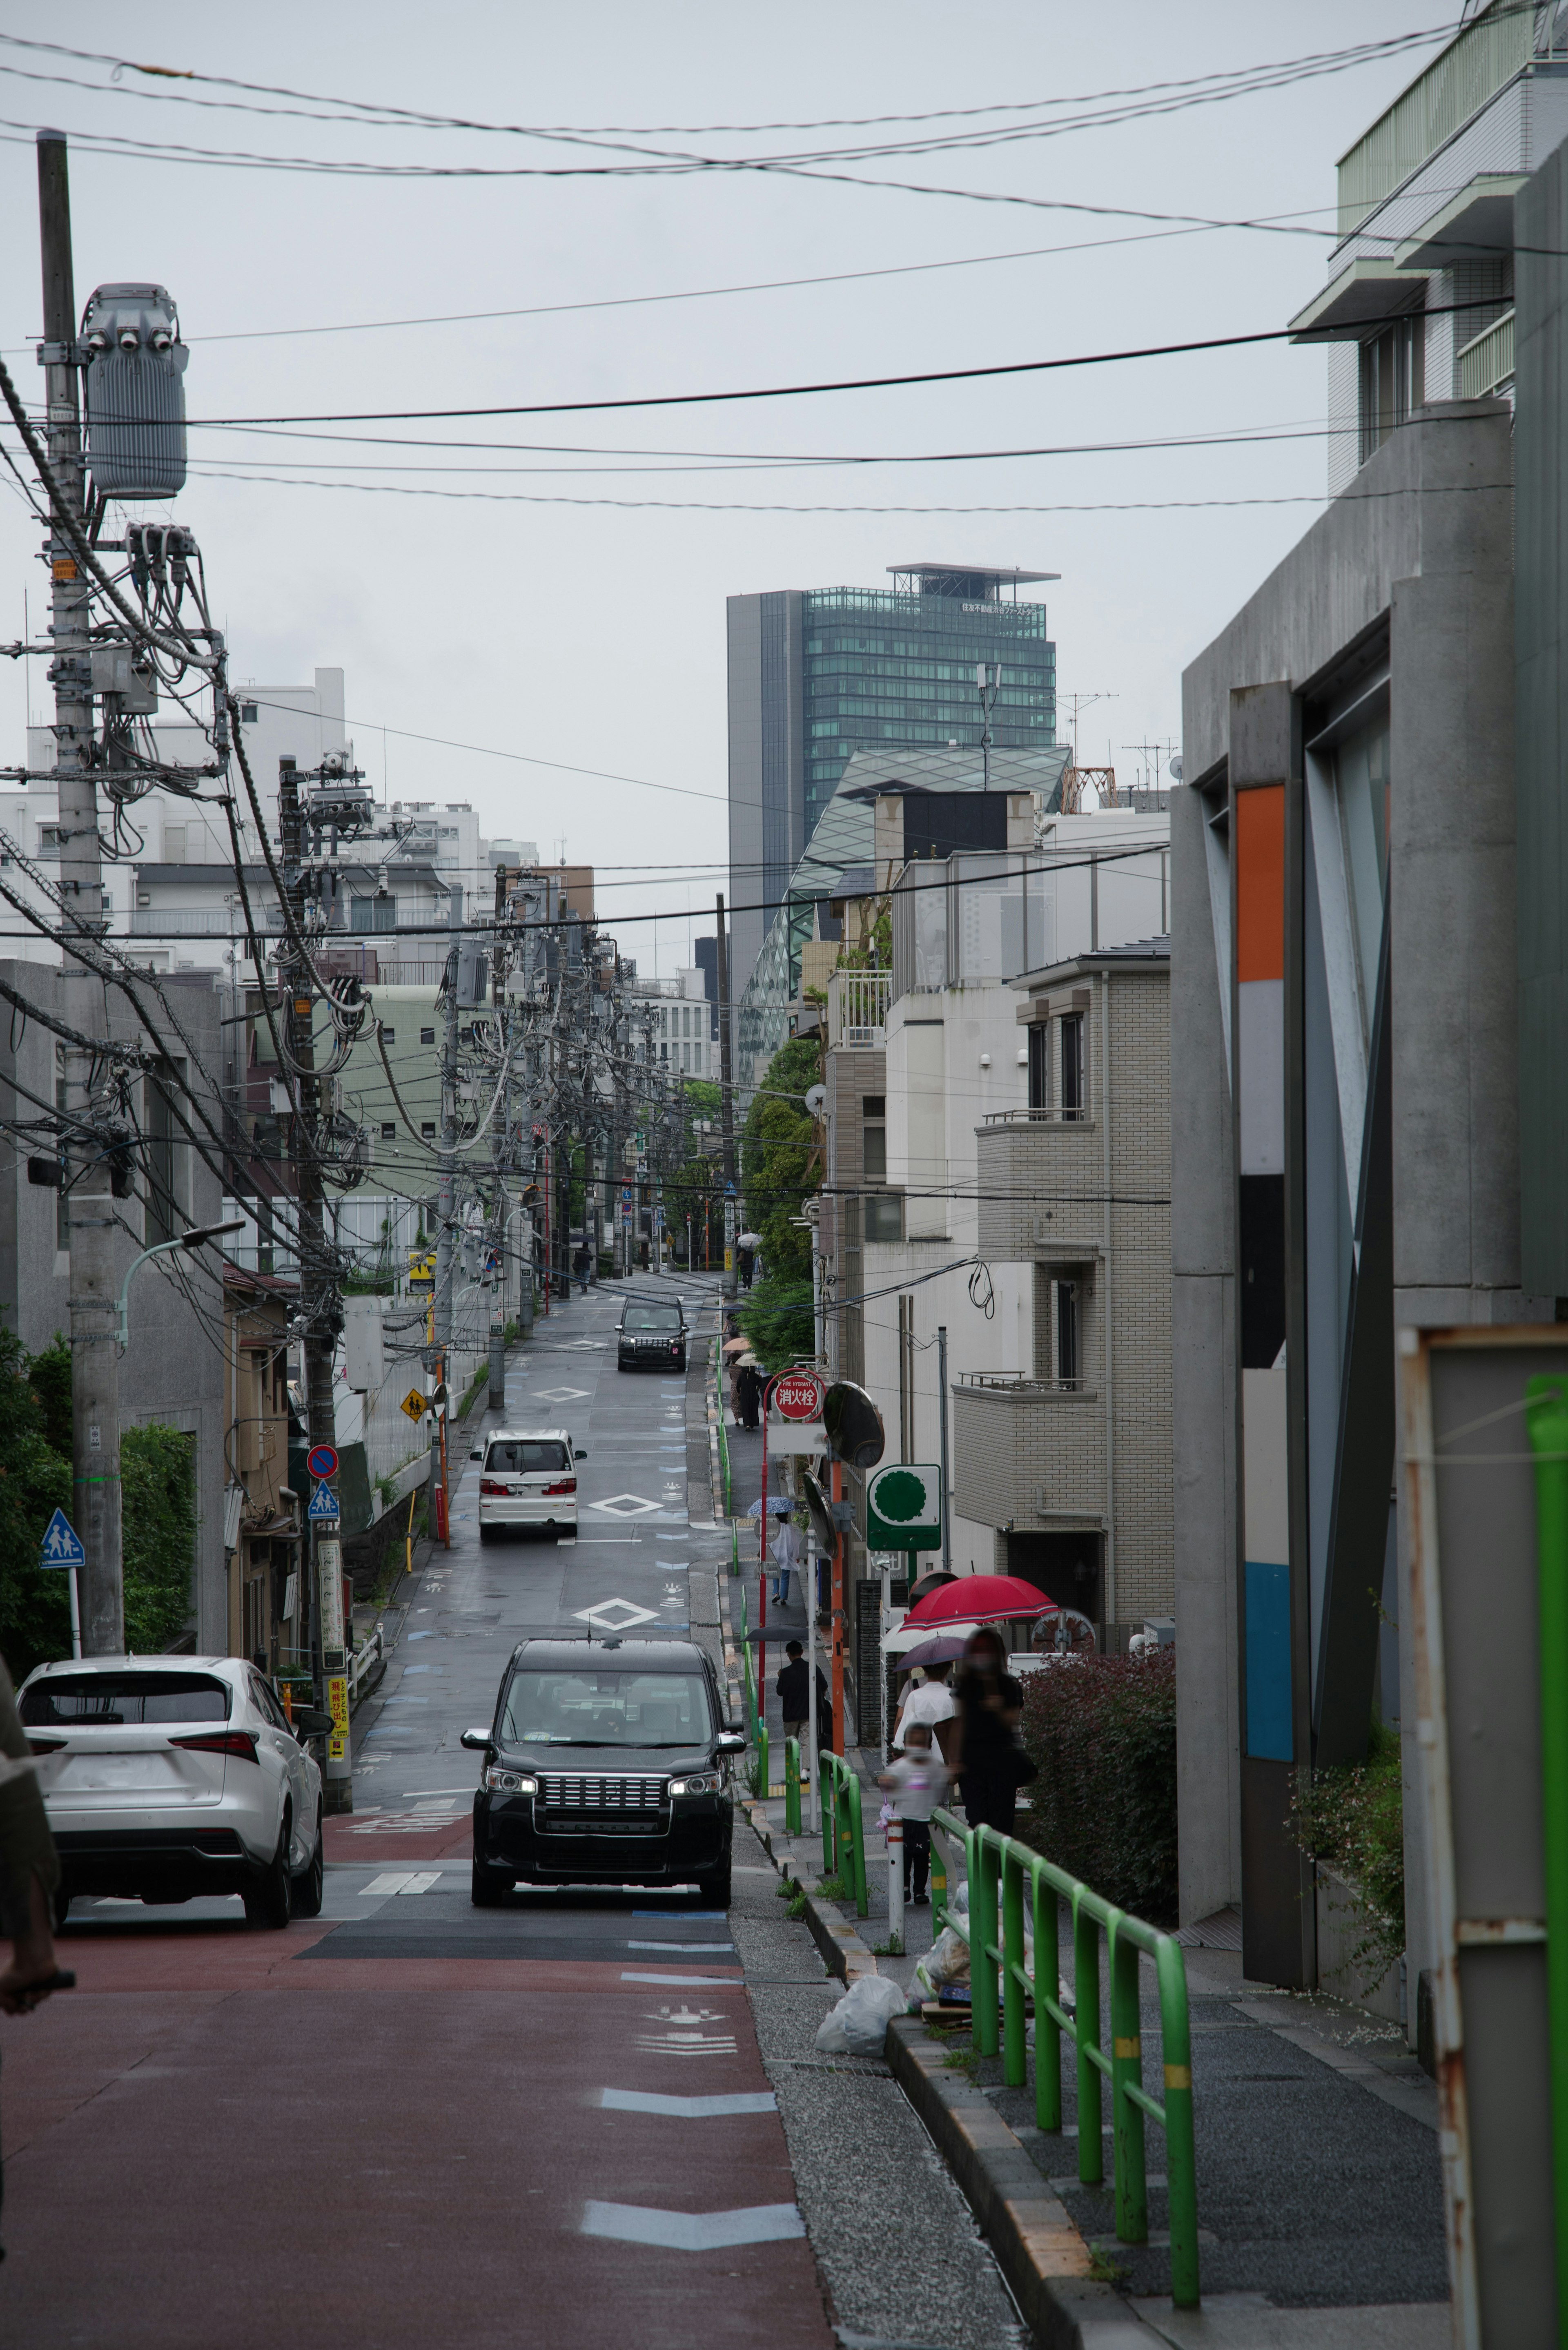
column 1000, row 1985
column 791, row 1786
column 765, row 1785
column 734, row 1547
column 843, row 1837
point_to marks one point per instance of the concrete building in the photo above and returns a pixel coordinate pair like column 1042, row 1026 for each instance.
column 941, row 1072
column 172, row 1372
column 817, row 676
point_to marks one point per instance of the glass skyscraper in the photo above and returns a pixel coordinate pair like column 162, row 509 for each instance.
column 816, row 675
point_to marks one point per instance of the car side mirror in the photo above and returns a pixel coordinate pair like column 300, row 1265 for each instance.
column 312, row 1721
column 476, row 1741
column 730, row 1742
column 580, row 1456
column 478, row 1452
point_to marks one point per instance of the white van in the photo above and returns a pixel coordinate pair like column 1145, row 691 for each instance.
column 527, row 1478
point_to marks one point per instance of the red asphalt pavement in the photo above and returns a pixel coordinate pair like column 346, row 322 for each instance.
column 210, row 2143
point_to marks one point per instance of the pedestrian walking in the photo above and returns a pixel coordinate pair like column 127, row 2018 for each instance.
column 930, row 1701
column 787, row 1550
column 917, row 1781
column 749, row 1389
column 989, row 1761
column 29, row 1869
column 581, row 1264
column 793, row 1688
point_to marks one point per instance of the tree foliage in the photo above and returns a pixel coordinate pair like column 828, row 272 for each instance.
column 776, row 1316
column 158, row 1487
column 1353, row 1820
column 780, row 1161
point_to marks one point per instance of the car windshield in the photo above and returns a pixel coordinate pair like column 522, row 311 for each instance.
column 651, row 1318
column 517, row 1453
column 606, row 1708
column 108, row 1700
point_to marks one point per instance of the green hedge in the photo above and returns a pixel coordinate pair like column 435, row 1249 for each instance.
column 1103, row 1732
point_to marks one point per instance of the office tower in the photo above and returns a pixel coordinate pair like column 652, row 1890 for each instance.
column 818, row 674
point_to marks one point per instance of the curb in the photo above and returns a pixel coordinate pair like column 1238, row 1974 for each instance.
column 1046, row 2261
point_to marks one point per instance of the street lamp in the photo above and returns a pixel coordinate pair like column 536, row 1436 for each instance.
column 192, row 1240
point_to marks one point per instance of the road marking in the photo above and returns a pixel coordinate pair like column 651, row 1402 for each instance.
column 616, row 1615
column 424, row 1795
column 649, row 2101
column 559, row 1395
column 708, row 1983
column 400, row 1881
column 683, row 1948
column 625, row 1505
column 692, row 2231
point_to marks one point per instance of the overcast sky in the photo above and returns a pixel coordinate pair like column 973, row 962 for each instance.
column 576, row 613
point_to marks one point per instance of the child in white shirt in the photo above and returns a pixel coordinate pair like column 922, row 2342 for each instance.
column 917, row 1781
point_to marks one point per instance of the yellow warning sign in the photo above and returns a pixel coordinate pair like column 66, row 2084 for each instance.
column 421, row 1270
column 338, row 1705
column 415, row 1404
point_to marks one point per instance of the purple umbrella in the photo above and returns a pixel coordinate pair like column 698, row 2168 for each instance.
column 939, row 1651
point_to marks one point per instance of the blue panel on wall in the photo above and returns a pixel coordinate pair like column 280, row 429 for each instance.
column 1269, row 1736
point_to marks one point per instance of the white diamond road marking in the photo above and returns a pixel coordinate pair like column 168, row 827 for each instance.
column 625, row 1505
column 559, row 1395
column 692, row 2231
column 400, row 1881
column 614, row 1615
column 693, row 2109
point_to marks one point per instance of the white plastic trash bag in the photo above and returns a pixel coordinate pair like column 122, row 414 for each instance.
column 858, row 2026
column 946, row 1962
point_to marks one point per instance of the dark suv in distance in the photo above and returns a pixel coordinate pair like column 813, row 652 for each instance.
column 651, row 1333
column 607, row 1763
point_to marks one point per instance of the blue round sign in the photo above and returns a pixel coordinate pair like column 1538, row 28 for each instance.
column 322, row 1461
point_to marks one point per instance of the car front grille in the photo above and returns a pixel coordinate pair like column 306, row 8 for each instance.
column 599, row 1794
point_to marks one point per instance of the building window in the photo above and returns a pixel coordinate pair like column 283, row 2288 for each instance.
column 388, row 1036
column 1392, row 381
column 1040, row 1066
column 427, row 1035
column 1075, row 1095
column 883, row 1215
column 873, row 1138
column 1062, row 1299
column 1068, row 1349
column 390, row 1131
column 427, row 1128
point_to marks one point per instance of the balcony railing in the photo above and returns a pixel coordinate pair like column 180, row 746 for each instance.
column 1486, row 362
column 1457, row 83
column 858, row 1008
column 1048, row 1116
column 1021, row 1383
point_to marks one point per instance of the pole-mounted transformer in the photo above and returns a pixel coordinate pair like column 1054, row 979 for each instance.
column 134, row 374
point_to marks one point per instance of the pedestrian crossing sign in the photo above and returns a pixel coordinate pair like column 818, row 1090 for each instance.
column 62, row 1545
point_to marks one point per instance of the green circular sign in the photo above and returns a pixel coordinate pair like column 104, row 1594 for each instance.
column 899, row 1496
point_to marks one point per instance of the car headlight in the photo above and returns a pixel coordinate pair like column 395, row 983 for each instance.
column 701, row 1783
column 502, row 1782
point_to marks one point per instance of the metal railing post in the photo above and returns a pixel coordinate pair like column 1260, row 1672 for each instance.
column 896, row 1881
column 791, row 1786
column 983, row 1943
column 1126, row 2072
column 764, row 1780
column 1015, row 2070
column 1087, row 2033
column 1047, row 2031
column 857, row 1843
column 1180, row 2153
column 1547, row 1418
column 826, row 1764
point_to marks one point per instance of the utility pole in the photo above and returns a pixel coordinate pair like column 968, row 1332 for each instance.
column 90, row 1225
column 728, row 1098
column 942, row 1456
column 318, row 1301
column 446, row 1212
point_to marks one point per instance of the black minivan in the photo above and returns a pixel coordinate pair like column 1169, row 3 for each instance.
column 607, row 1763
column 652, row 1335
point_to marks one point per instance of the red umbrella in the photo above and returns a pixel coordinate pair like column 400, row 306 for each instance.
column 981, row 1597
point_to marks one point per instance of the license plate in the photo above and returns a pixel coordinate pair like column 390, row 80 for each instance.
column 101, row 1774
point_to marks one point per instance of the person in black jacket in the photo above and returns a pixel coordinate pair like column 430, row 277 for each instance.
column 991, row 1764
column 794, row 1686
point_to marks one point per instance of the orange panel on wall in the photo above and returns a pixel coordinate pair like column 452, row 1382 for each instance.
column 1260, row 882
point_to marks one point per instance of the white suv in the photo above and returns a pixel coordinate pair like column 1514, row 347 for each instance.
column 165, row 1777
column 527, row 1478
